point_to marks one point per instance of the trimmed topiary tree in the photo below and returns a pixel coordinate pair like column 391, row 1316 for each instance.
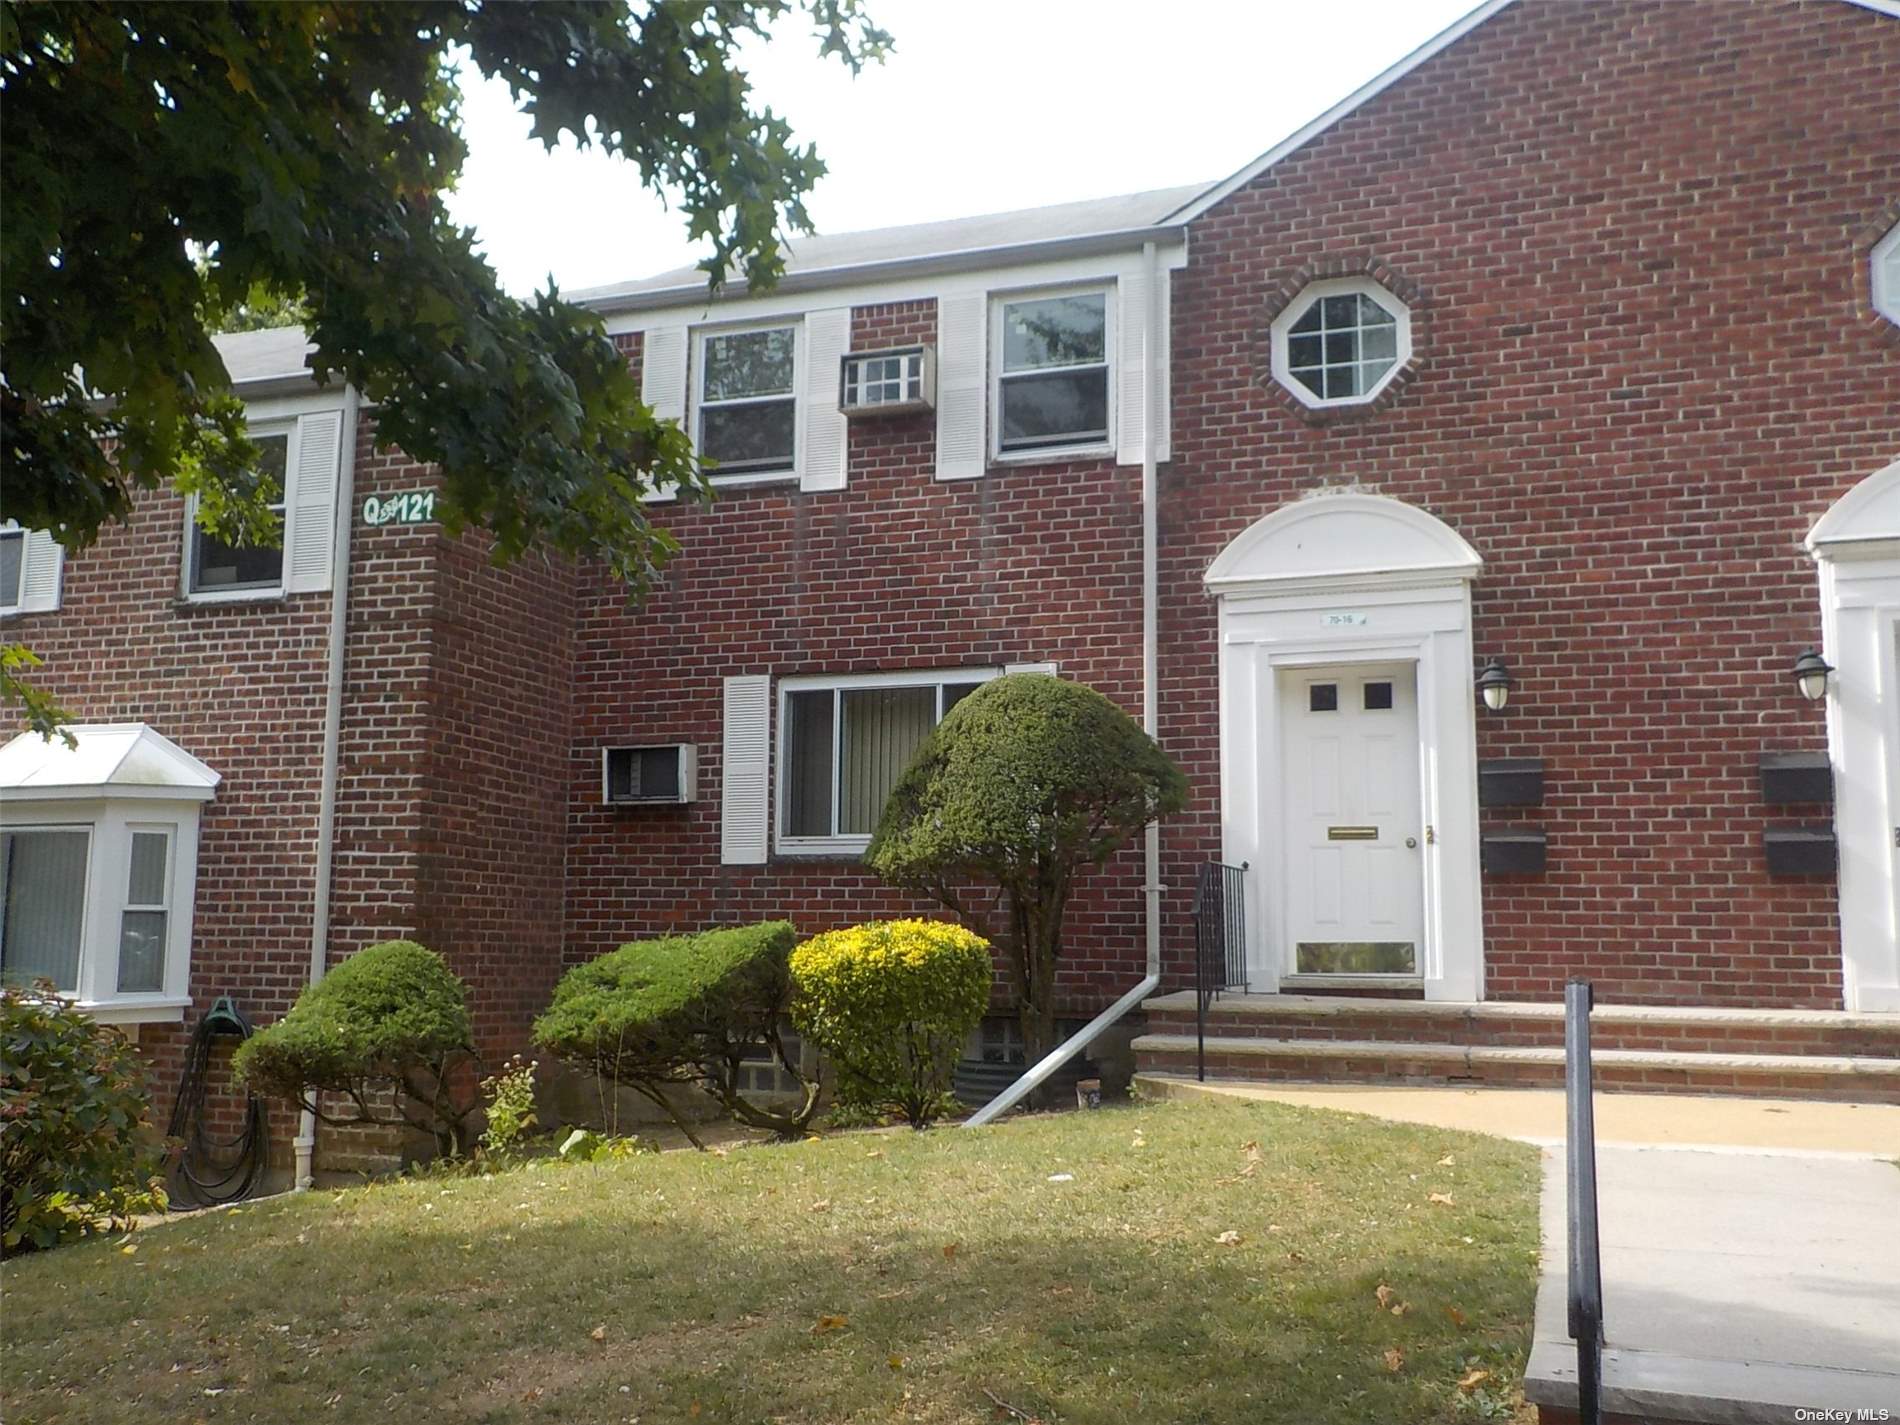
column 1025, row 784
column 891, row 1003
column 388, row 1029
column 73, row 1103
column 657, row 1015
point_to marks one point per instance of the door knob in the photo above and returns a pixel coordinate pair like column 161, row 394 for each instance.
column 1411, row 843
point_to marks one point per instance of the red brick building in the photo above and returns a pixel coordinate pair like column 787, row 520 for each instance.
column 1567, row 349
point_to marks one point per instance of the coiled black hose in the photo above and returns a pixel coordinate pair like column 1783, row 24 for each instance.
column 212, row 1171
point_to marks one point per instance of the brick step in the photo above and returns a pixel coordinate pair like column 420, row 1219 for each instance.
column 1832, row 1076
column 1507, row 1024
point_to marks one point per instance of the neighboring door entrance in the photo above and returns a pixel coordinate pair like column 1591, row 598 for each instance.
column 1354, row 877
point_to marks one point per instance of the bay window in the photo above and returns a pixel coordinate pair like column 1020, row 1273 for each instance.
column 843, row 744
column 98, row 858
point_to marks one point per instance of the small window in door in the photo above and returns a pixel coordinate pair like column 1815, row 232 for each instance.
column 1378, row 697
column 1322, row 697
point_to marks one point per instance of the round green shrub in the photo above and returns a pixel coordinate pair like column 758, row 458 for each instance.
column 393, row 1016
column 892, row 1002
column 72, row 1103
column 655, row 1015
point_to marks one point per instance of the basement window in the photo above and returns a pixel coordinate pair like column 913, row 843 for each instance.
column 1341, row 342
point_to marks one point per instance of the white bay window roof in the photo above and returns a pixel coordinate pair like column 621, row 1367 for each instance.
column 122, row 759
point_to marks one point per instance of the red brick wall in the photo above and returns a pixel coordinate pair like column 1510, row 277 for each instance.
column 1645, row 362
column 899, row 570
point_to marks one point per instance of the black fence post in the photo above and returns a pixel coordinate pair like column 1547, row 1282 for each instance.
column 1580, row 1161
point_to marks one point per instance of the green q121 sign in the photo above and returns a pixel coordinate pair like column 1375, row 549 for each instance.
column 410, row 507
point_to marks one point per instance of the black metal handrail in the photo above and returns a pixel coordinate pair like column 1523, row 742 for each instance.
column 1220, row 943
column 1586, row 1262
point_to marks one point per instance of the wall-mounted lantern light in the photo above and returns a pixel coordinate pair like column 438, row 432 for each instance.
column 1494, row 685
column 1810, row 675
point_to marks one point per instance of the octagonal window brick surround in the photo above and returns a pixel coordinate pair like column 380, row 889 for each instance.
column 1885, row 277
column 1341, row 342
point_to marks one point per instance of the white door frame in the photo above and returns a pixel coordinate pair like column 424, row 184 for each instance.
column 1352, row 578
column 1856, row 546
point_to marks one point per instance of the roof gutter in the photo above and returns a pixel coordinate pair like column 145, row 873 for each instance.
column 305, row 1142
column 922, row 265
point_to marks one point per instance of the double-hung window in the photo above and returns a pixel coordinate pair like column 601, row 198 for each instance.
column 747, row 406
column 217, row 568
column 43, row 903
column 843, row 742
column 1052, row 372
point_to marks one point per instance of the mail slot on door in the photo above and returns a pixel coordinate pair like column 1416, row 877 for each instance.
column 1352, row 833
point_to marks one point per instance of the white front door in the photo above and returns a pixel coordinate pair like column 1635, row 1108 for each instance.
column 1354, row 874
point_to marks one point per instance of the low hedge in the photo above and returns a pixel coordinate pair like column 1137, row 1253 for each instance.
column 391, row 1016
column 892, row 1002
column 686, row 1009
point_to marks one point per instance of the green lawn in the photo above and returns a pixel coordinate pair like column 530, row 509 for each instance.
column 912, row 1277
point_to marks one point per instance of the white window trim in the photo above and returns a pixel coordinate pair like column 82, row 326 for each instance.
column 10, row 604
column 110, row 823
column 695, row 375
column 1042, row 455
column 1339, row 287
column 290, row 428
column 784, row 841
column 1885, row 283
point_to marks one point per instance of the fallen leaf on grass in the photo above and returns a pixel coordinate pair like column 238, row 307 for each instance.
column 1446, row 1161
column 1457, row 1316
column 1394, row 1358
column 830, row 1323
column 1441, row 1198
column 1229, row 1238
column 950, row 1251
column 1386, row 1296
column 1472, row 1379
column 895, row 1361
column 822, row 1205
column 130, row 1249
column 599, row 1333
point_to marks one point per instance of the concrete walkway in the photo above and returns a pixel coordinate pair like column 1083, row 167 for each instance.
column 1737, row 1287
column 1651, row 1120
column 1751, row 1248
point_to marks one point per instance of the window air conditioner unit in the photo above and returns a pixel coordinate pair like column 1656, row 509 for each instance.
column 886, row 383
column 660, row 775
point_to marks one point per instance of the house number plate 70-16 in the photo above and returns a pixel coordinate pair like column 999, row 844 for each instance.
column 410, row 507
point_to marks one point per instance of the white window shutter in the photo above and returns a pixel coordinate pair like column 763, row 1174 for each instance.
column 310, row 504
column 1131, row 318
column 827, row 338
column 41, row 563
column 962, row 385
column 744, row 814
column 663, row 381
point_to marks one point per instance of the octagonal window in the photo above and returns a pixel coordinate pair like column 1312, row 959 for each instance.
column 1340, row 342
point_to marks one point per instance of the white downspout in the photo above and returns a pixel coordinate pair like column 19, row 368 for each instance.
column 305, row 1143
column 1150, row 709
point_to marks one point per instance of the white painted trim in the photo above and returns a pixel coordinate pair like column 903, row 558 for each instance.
column 1303, row 303
column 1856, row 546
column 1300, row 137
column 1408, row 601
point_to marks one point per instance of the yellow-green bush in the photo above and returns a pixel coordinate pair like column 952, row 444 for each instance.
column 891, row 1003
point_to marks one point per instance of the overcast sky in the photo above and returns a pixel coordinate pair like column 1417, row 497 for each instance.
column 985, row 106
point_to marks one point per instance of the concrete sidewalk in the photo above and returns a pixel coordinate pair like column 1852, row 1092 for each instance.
column 1737, row 1287
column 1651, row 1120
